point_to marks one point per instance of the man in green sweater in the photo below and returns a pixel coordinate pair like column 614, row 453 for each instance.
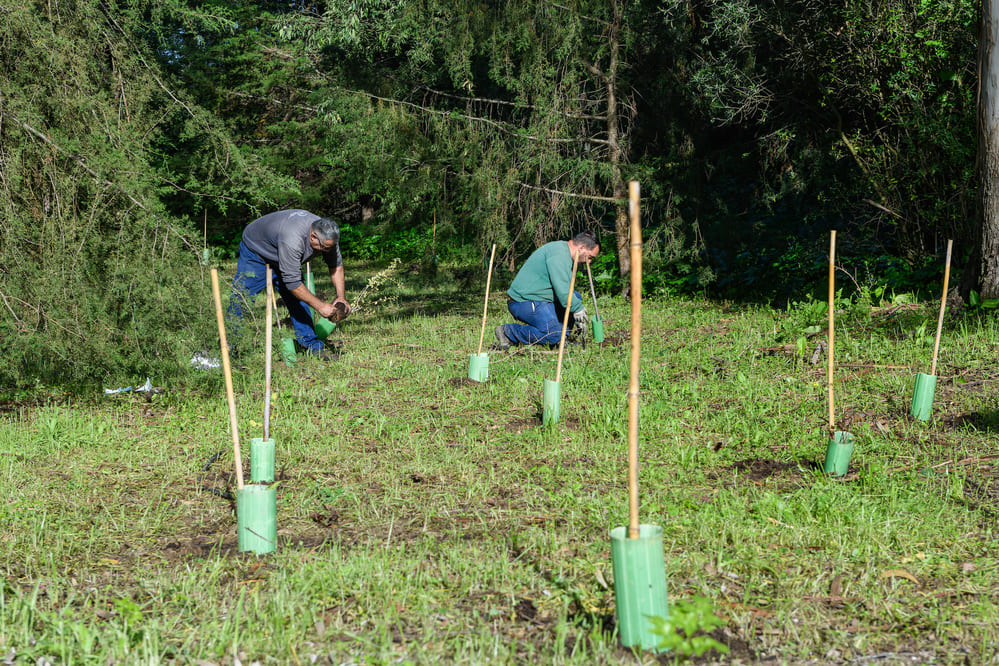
column 537, row 295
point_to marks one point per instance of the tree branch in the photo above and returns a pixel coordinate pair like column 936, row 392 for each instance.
column 589, row 197
column 877, row 205
column 502, row 102
column 582, row 16
column 464, row 116
column 79, row 161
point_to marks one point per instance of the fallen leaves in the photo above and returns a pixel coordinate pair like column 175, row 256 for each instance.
column 901, row 573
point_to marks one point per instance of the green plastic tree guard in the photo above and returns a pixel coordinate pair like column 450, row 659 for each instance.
column 597, row 324
column 551, row 402
column 256, row 518
column 262, row 460
column 288, row 353
column 478, row 367
column 922, row 396
column 321, row 325
column 639, row 584
column 838, row 453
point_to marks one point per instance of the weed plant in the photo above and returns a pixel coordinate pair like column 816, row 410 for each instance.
column 425, row 518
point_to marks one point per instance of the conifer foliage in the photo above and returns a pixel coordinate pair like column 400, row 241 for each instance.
column 97, row 281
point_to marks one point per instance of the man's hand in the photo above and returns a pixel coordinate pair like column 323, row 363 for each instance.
column 579, row 324
column 324, row 309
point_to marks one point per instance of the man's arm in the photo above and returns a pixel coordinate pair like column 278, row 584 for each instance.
column 322, row 308
column 336, row 277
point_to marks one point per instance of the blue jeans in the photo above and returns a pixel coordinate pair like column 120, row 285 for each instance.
column 542, row 322
column 251, row 279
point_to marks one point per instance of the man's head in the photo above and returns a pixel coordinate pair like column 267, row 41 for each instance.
column 324, row 235
column 585, row 244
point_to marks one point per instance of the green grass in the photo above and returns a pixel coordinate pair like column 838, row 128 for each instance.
column 425, row 518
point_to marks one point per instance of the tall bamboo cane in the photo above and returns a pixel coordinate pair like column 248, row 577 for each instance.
column 565, row 319
column 943, row 306
column 268, row 339
column 485, row 307
column 593, row 292
column 634, row 195
column 224, row 344
column 832, row 331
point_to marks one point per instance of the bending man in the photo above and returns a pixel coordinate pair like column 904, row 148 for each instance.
column 286, row 240
column 538, row 293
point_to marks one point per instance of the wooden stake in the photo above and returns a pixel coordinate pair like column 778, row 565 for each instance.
column 223, row 343
column 565, row 319
column 832, row 331
column 943, row 306
column 268, row 339
column 634, row 196
column 485, row 307
column 593, row 292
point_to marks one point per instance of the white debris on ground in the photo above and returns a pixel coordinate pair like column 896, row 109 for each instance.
column 203, row 361
column 145, row 388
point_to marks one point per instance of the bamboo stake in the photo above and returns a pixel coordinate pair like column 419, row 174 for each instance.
column 593, row 292
column 634, row 195
column 485, row 307
column 268, row 340
column 223, row 343
column 943, row 306
column 565, row 319
column 832, row 331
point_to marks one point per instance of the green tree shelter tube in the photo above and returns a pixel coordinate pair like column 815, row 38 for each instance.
column 262, row 460
column 256, row 518
column 922, row 396
column 288, row 353
column 478, row 367
column 838, row 453
column 639, row 584
column 597, row 326
column 926, row 385
column 596, row 323
column 551, row 402
column 478, row 363
column 321, row 325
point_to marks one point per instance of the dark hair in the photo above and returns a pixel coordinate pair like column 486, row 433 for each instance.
column 585, row 240
column 325, row 230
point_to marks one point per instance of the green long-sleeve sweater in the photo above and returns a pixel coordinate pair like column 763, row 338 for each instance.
column 545, row 276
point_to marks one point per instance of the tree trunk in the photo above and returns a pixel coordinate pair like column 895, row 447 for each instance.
column 621, row 222
column 988, row 151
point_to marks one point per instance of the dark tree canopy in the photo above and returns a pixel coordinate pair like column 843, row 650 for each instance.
column 127, row 128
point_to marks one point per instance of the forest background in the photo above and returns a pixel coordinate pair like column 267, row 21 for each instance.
column 135, row 134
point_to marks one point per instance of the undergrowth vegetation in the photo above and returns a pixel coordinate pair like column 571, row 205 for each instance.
column 425, row 518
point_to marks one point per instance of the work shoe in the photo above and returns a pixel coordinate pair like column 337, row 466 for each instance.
column 502, row 342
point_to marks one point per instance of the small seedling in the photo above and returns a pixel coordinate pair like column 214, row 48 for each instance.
column 682, row 632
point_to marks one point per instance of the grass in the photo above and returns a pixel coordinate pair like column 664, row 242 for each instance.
column 426, row 518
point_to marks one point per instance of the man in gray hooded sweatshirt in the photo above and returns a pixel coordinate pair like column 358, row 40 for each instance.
column 286, row 240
